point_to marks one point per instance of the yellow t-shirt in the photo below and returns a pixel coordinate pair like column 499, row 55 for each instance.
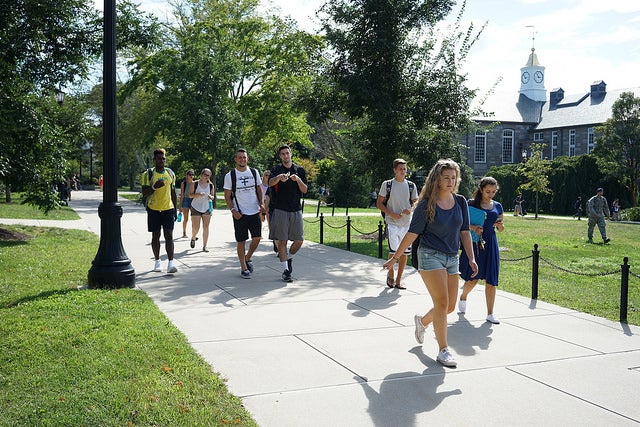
column 160, row 200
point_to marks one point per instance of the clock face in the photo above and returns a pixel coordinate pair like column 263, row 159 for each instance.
column 538, row 76
column 525, row 77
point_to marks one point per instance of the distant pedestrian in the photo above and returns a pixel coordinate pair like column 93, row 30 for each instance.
column 615, row 210
column 395, row 199
column 518, row 206
column 289, row 183
column 487, row 257
column 577, row 206
column 245, row 201
column 159, row 186
column 185, row 199
column 373, row 199
column 101, row 182
column 597, row 210
column 441, row 220
column 202, row 192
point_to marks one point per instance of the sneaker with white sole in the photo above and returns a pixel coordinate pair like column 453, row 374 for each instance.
column 493, row 319
column 446, row 358
column 249, row 265
column 171, row 268
column 419, row 332
column 286, row 276
column 158, row 266
column 246, row 274
column 462, row 306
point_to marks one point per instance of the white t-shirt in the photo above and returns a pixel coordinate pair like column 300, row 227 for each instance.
column 201, row 204
column 246, row 200
column 398, row 201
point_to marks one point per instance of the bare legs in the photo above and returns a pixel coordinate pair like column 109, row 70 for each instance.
column 185, row 219
column 443, row 288
column 282, row 248
column 401, row 263
column 168, row 243
column 242, row 257
column 489, row 293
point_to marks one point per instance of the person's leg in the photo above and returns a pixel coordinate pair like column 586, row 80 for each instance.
column 436, row 282
column 241, row 255
column 295, row 246
column 168, row 242
column 253, row 245
column 490, row 296
column 591, row 223
column 282, row 250
column 155, row 244
column 185, row 220
column 602, row 226
column 255, row 229
column 391, row 272
column 401, row 263
column 468, row 287
column 206, row 219
column 195, row 227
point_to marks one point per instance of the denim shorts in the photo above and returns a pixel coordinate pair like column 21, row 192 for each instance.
column 430, row 259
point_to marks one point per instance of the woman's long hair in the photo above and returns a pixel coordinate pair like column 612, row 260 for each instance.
column 430, row 188
column 476, row 199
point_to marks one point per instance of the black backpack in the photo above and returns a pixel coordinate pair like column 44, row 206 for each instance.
column 233, row 185
column 389, row 184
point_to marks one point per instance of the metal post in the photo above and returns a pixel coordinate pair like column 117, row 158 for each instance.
column 624, row 290
column 333, row 208
column 318, row 208
column 111, row 267
column 321, row 228
column 348, row 234
column 380, row 239
column 534, row 271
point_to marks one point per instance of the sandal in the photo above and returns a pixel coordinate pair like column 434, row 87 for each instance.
column 390, row 282
column 399, row 286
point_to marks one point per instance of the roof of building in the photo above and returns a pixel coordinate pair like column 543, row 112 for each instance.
column 500, row 107
column 580, row 109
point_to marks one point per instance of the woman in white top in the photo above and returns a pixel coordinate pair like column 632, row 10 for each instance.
column 201, row 193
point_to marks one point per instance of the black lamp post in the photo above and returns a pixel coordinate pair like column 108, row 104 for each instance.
column 111, row 267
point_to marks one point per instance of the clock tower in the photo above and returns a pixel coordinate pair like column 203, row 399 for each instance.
column 532, row 79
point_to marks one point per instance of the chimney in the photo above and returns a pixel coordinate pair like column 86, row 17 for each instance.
column 556, row 96
column 598, row 89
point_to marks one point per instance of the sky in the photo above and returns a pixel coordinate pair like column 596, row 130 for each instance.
column 578, row 41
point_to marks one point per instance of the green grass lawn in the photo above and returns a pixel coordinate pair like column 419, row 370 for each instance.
column 572, row 273
column 74, row 357
column 16, row 209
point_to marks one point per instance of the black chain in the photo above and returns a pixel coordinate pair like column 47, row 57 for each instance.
column 579, row 273
column 360, row 232
column 634, row 274
column 336, row 228
column 516, row 259
column 311, row 222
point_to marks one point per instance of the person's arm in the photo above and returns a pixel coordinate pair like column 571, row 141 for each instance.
column 301, row 184
column 183, row 186
column 380, row 205
column 407, row 240
column 174, row 200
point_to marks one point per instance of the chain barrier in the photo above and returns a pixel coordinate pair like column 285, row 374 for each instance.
column 516, row 259
column 336, row 228
column 312, row 222
column 363, row 234
column 637, row 276
column 566, row 270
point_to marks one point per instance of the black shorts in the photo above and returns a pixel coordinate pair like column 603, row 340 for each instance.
column 247, row 224
column 160, row 219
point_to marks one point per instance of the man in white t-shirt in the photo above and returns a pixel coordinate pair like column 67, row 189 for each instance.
column 395, row 198
column 245, row 200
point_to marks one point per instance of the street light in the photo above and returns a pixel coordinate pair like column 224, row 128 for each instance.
column 111, row 267
column 59, row 96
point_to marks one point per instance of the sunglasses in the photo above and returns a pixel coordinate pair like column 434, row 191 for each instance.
column 189, row 174
column 206, row 174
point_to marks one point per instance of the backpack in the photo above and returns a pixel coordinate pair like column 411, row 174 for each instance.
column 233, row 185
column 145, row 199
column 389, row 184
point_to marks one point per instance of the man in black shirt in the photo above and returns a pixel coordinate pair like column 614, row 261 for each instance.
column 288, row 182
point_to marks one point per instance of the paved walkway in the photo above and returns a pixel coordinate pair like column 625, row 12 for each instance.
column 336, row 346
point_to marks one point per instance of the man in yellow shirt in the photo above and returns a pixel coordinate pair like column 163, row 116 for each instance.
column 162, row 212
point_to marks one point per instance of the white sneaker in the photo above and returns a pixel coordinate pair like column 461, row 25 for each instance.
column 493, row 319
column 158, row 266
column 419, row 332
column 462, row 306
column 171, row 268
column 446, row 358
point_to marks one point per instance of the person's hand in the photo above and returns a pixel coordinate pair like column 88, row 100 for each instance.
column 388, row 265
column 406, row 212
column 474, row 267
column 478, row 229
column 158, row 184
column 283, row 176
column 294, row 178
column 175, row 215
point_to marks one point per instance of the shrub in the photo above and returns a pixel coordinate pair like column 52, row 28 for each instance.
column 631, row 214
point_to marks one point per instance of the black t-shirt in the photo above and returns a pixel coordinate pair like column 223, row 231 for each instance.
column 287, row 195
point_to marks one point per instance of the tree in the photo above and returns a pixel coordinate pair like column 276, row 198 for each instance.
column 46, row 46
column 535, row 171
column 618, row 146
column 395, row 77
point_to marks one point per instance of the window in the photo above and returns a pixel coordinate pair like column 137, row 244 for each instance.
column 507, row 146
column 554, row 144
column 538, row 136
column 480, row 149
column 572, row 142
column 590, row 140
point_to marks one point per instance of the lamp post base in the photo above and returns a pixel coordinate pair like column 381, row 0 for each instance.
column 111, row 267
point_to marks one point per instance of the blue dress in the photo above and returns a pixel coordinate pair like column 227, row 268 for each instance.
column 488, row 259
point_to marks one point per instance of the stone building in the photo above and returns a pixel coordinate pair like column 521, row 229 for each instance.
column 564, row 123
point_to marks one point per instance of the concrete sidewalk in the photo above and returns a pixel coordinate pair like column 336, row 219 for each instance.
column 336, row 346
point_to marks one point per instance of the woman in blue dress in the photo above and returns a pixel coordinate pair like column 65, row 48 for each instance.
column 487, row 257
